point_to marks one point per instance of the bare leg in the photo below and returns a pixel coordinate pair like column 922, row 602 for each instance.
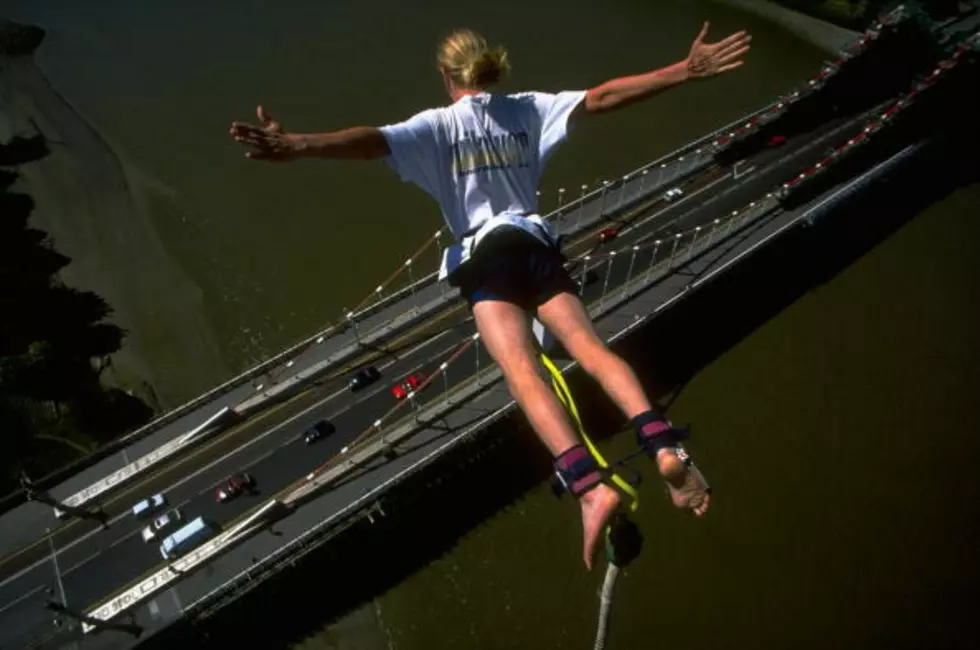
column 566, row 318
column 505, row 331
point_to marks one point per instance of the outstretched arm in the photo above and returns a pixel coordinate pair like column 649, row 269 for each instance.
column 704, row 60
column 272, row 143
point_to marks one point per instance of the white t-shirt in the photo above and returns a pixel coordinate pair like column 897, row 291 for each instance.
column 481, row 159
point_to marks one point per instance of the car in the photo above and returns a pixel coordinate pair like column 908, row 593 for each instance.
column 673, row 193
column 162, row 524
column 364, row 377
column 608, row 234
column 149, row 505
column 408, row 385
column 319, row 430
column 776, row 140
column 234, row 486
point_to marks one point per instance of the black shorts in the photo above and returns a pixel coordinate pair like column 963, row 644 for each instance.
column 514, row 266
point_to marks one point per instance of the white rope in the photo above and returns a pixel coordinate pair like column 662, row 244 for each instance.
column 605, row 604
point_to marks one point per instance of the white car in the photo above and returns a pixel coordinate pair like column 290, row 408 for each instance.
column 161, row 525
column 673, row 193
column 148, row 506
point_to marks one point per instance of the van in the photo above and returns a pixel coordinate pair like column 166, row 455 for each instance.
column 187, row 538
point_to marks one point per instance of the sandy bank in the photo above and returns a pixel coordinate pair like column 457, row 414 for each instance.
column 87, row 201
column 824, row 35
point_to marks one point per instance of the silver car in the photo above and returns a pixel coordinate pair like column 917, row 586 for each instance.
column 148, row 506
column 162, row 524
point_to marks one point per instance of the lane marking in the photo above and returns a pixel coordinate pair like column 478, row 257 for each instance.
column 21, row 598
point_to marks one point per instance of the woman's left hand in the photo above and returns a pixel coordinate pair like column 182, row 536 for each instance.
column 710, row 59
column 271, row 142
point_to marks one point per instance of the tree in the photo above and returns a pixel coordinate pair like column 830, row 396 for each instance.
column 52, row 405
column 98, row 340
column 42, row 374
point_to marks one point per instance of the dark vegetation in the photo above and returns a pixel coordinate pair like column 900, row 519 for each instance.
column 54, row 344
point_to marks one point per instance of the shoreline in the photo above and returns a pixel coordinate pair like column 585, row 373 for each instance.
column 827, row 36
column 96, row 212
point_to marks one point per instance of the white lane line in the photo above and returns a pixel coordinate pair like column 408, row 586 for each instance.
column 85, row 561
column 21, row 599
column 173, row 592
column 222, row 459
column 124, row 538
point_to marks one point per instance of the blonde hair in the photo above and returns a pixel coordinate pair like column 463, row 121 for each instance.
column 470, row 62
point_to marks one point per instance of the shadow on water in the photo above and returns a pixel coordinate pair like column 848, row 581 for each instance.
column 426, row 519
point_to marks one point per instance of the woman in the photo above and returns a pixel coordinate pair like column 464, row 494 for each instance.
column 481, row 158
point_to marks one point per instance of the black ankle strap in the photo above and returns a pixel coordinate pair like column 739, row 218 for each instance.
column 651, row 443
column 576, row 472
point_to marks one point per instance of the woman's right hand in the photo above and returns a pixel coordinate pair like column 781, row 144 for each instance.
column 269, row 140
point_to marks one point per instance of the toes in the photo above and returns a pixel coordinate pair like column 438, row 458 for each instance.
column 702, row 507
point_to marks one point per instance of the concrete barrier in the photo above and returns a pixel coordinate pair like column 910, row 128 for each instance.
column 128, row 472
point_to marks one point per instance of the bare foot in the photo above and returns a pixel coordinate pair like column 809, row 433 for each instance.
column 688, row 489
column 598, row 506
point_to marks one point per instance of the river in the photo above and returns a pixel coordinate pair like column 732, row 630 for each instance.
column 841, row 433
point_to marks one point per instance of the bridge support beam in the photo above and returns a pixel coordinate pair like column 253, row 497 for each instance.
column 97, row 625
column 42, row 496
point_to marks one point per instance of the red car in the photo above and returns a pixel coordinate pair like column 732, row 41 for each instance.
column 234, row 486
column 409, row 384
column 607, row 234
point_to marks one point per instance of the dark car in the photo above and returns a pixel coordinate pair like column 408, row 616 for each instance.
column 364, row 377
column 234, row 486
column 589, row 277
column 319, row 430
